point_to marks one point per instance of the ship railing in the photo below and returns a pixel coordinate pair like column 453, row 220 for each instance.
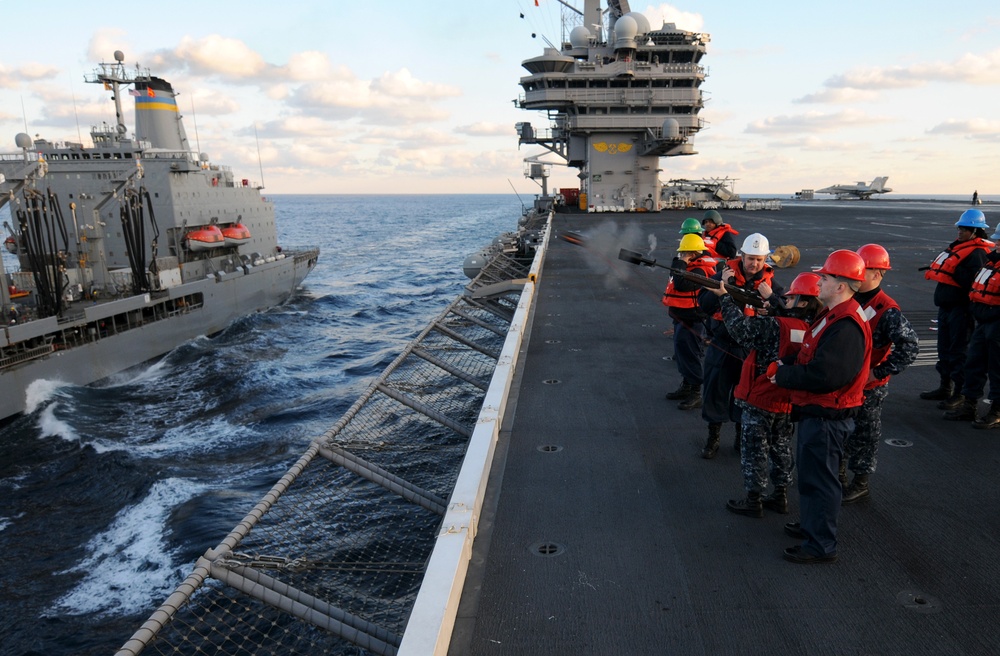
column 361, row 547
column 26, row 355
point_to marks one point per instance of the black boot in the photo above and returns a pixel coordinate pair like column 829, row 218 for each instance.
column 738, row 439
column 857, row 490
column 777, row 501
column 750, row 507
column 952, row 402
column 681, row 392
column 946, row 389
column 693, row 399
column 712, row 445
column 991, row 419
column 965, row 411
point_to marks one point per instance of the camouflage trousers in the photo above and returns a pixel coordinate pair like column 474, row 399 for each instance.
column 861, row 448
column 766, row 451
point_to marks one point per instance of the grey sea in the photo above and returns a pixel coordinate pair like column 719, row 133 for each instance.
column 111, row 492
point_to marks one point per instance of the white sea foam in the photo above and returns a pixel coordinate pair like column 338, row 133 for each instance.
column 40, row 392
column 129, row 566
column 49, row 424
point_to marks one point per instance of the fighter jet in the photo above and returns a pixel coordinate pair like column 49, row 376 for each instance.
column 858, row 189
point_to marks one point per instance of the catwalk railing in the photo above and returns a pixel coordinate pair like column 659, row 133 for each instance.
column 362, row 546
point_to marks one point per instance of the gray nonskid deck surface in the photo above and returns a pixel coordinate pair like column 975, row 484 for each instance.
column 600, row 469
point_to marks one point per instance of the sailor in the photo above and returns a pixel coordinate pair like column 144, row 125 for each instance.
column 894, row 347
column 953, row 271
column 983, row 359
column 827, row 379
column 724, row 357
column 693, row 227
column 766, row 408
column 720, row 234
column 681, row 299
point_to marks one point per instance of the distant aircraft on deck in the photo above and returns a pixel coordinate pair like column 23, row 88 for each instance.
column 858, row 189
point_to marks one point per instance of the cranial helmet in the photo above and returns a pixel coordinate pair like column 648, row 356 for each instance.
column 691, row 226
column 755, row 244
column 875, row 256
column 713, row 216
column 844, row 264
column 691, row 243
column 805, row 284
column 972, row 219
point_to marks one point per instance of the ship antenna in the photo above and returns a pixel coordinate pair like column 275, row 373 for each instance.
column 516, row 194
column 197, row 141
column 76, row 115
column 24, row 116
column 259, row 163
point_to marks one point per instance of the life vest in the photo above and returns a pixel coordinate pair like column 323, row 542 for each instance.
column 876, row 306
column 710, row 248
column 719, row 231
column 852, row 394
column 755, row 388
column 986, row 286
column 740, row 280
column 689, row 300
column 943, row 267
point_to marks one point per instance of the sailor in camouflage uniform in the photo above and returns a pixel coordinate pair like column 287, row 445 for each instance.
column 894, row 348
column 767, row 429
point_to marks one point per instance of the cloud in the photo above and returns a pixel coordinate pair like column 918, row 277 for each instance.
column 814, row 122
column 968, row 69
column 402, row 84
column 11, row 78
column 369, row 101
column 837, row 96
column 484, row 129
column 977, row 129
column 664, row 13
column 214, row 55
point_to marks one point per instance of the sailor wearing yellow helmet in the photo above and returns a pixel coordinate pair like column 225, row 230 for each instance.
column 681, row 299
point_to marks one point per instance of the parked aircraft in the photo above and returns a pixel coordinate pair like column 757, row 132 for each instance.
column 857, row 190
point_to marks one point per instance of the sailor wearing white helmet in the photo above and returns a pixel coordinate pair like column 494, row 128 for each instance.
column 724, row 356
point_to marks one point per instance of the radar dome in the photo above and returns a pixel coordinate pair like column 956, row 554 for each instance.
column 625, row 30
column 671, row 129
column 474, row 264
column 119, row 56
column 22, row 140
column 579, row 36
column 640, row 20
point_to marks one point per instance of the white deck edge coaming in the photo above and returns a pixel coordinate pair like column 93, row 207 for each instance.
column 432, row 620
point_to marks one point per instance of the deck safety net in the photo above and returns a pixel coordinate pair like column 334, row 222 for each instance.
column 331, row 559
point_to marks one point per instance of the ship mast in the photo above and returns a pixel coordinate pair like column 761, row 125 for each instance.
column 113, row 76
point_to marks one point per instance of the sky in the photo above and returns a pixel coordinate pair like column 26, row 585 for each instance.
column 395, row 96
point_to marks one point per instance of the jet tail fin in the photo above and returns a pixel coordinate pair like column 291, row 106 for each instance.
column 878, row 184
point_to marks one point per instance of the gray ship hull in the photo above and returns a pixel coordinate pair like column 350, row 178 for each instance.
column 225, row 298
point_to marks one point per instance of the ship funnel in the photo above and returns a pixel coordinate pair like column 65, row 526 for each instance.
column 157, row 119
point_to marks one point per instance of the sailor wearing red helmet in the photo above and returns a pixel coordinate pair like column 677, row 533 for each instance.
column 767, row 429
column 894, row 347
column 827, row 379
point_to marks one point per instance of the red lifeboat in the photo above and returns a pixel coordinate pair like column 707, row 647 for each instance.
column 205, row 239
column 236, row 234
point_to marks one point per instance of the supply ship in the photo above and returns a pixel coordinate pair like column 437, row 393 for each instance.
column 128, row 247
column 537, row 494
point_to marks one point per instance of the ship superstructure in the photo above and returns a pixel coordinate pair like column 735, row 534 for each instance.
column 130, row 246
column 620, row 95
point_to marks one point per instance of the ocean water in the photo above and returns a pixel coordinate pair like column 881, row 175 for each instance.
column 111, row 492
